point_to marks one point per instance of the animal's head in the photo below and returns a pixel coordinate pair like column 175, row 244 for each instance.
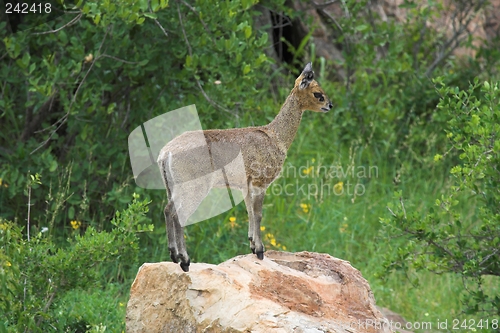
column 311, row 96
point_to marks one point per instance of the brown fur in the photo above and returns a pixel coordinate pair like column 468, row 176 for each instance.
column 263, row 150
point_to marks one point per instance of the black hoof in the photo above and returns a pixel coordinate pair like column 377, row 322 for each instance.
column 253, row 250
column 173, row 254
column 260, row 255
column 185, row 266
column 174, row 258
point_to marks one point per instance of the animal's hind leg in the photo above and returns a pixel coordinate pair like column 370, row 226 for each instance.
column 170, row 217
column 187, row 197
column 175, row 235
column 182, row 254
column 176, row 241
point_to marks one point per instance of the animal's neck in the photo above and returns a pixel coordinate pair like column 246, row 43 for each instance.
column 286, row 123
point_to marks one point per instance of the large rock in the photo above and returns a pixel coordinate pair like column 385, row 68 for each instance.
column 285, row 292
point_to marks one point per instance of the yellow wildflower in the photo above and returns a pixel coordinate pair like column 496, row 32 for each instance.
column 262, row 228
column 272, row 240
column 338, row 187
column 8, row 264
column 308, row 170
column 232, row 222
column 75, row 224
column 305, row 207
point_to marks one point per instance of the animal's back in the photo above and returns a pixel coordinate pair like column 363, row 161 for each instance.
column 195, row 154
column 261, row 156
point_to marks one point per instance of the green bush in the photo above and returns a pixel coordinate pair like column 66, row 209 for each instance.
column 39, row 278
column 94, row 310
column 449, row 239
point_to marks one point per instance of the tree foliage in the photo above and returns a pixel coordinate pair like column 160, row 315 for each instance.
column 446, row 240
column 77, row 86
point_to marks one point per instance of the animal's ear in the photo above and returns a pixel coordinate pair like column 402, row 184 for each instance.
column 307, row 76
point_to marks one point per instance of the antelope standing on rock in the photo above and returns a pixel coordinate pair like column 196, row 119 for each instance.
column 263, row 150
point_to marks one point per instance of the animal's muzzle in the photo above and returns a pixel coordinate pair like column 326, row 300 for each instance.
column 328, row 108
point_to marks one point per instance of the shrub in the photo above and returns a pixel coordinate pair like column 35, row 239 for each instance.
column 38, row 277
column 448, row 239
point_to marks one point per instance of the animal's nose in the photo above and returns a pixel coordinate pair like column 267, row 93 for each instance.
column 330, row 105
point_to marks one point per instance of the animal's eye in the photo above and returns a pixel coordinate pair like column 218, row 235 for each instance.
column 319, row 96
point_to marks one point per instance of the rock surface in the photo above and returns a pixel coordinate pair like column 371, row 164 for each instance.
column 285, row 292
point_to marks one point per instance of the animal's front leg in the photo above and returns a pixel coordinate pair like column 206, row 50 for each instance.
column 258, row 201
column 251, row 220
